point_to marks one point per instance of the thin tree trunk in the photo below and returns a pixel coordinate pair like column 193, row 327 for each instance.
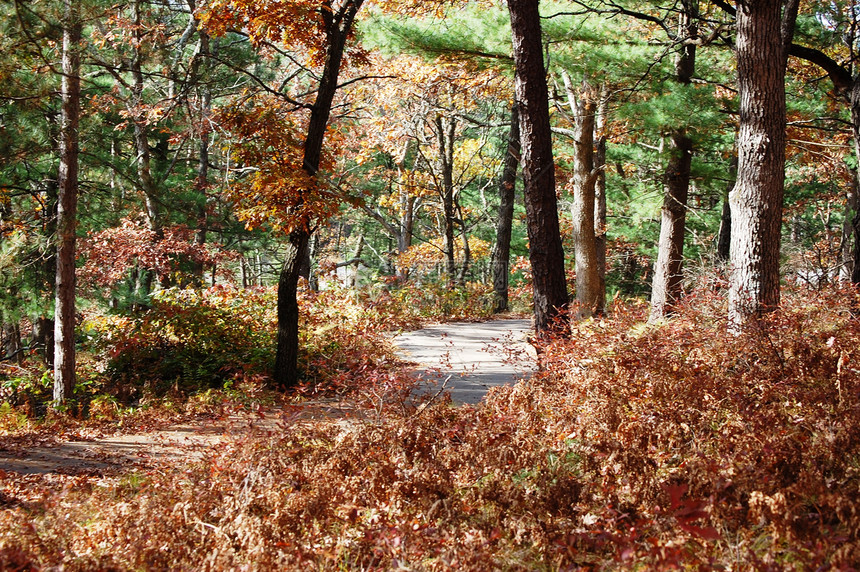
column 338, row 24
column 849, row 230
column 445, row 130
column 725, row 235
column 467, row 250
column 667, row 281
column 600, row 199
column 202, row 181
column 588, row 296
column 507, row 192
column 756, row 201
column 545, row 249
column 141, row 131
column 64, row 316
column 666, row 284
column 12, row 347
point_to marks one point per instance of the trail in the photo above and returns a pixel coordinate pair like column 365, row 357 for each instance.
column 473, row 356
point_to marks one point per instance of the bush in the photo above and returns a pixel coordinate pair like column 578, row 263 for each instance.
column 189, row 339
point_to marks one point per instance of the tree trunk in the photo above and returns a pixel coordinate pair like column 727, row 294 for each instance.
column 507, row 191
column 64, row 314
column 725, row 234
column 141, row 132
column 756, row 201
column 667, row 280
column 338, row 24
column 855, row 217
column 849, row 230
column 202, row 181
column 445, row 131
column 600, row 200
column 45, row 323
column 286, row 362
column 545, row 249
column 588, row 295
column 467, row 249
column 12, row 347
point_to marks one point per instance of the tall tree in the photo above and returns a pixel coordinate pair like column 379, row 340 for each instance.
column 667, row 281
column 507, row 192
column 545, row 249
column 337, row 18
column 64, row 317
column 764, row 32
column 589, row 297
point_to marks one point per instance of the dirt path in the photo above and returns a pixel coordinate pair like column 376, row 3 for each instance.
column 472, row 356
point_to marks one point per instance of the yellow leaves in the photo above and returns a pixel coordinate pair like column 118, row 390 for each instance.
column 430, row 253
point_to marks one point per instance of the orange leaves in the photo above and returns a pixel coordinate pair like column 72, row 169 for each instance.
column 293, row 23
column 269, row 183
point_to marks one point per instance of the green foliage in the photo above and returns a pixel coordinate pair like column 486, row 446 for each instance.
column 189, row 339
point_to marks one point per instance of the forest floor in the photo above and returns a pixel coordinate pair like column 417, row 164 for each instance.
column 465, row 359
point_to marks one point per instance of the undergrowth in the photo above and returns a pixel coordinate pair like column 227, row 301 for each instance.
column 636, row 447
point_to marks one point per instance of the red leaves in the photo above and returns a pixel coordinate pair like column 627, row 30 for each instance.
column 688, row 511
column 112, row 252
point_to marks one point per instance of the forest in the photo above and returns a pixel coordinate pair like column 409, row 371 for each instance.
column 212, row 208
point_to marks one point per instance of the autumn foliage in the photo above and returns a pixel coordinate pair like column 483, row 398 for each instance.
column 663, row 447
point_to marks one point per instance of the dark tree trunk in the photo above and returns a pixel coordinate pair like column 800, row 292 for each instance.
column 725, row 234
column 507, row 192
column 854, row 201
column 12, row 347
column 338, row 24
column 64, row 316
column 545, row 249
column 288, row 309
column 445, row 131
column 756, row 201
column 42, row 336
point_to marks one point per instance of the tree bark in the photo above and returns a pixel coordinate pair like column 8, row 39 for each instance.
column 338, row 22
column 849, row 230
column 600, row 199
column 725, row 234
column 201, row 184
column 756, row 201
column 667, row 280
column 588, row 295
column 64, row 314
column 445, row 131
column 545, row 249
column 854, row 201
column 507, row 192
column 141, row 131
